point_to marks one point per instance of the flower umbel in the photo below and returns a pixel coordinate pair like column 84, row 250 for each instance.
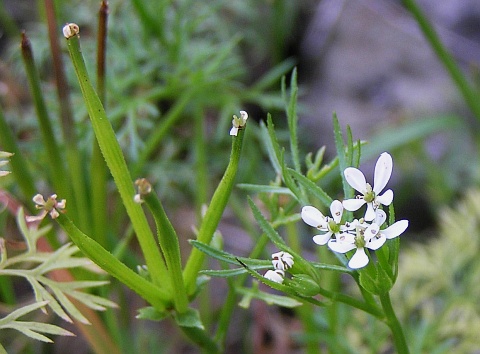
column 366, row 236
column 238, row 123
column 370, row 196
column 331, row 226
column 50, row 206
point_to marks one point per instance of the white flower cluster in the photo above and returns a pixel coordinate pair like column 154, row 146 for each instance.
column 281, row 262
column 366, row 232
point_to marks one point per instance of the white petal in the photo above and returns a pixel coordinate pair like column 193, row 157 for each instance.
column 356, row 179
column 370, row 213
column 383, row 172
column 376, row 243
column 396, row 229
column 38, row 199
column 371, row 232
column 336, row 210
column 275, row 275
column 386, row 198
column 340, row 247
column 380, row 217
column 312, row 216
column 353, row 204
column 322, row 239
column 359, row 259
column 234, row 131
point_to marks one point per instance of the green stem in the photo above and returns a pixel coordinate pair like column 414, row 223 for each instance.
column 469, row 93
column 214, row 213
column 394, row 324
column 116, row 163
column 168, row 240
column 201, row 338
column 155, row 295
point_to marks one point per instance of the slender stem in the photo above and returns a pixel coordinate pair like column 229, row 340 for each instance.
column 155, row 295
column 118, row 167
column 214, row 213
column 469, row 93
column 394, row 324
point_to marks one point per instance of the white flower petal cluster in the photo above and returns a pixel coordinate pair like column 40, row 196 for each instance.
column 358, row 235
column 50, row 206
column 281, row 261
column 238, row 123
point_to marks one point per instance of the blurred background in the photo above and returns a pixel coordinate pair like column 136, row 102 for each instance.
column 366, row 60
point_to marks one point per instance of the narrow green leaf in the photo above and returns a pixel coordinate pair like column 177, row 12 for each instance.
column 265, row 189
column 271, row 144
column 312, row 188
column 225, row 256
column 270, row 299
column 292, row 119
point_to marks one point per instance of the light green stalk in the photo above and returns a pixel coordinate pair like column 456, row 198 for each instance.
column 214, row 213
column 116, row 163
column 155, row 295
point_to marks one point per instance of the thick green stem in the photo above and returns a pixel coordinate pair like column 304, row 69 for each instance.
column 155, row 295
column 470, row 95
column 213, row 214
column 394, row 324
column 118, row 167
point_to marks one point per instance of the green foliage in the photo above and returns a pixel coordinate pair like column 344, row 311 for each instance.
column 33, row 266
column 437, row 289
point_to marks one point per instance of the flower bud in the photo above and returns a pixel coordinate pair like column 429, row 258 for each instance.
column 304, row 285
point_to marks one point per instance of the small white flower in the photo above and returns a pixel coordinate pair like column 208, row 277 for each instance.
column 367, row 236
column 50, row 206
column 370, row 196
column 143, row 187
column 238, row 123
column 70, row 30
column 328, row 225
column 4, row 156
column 282, row 260
column 276, row 275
